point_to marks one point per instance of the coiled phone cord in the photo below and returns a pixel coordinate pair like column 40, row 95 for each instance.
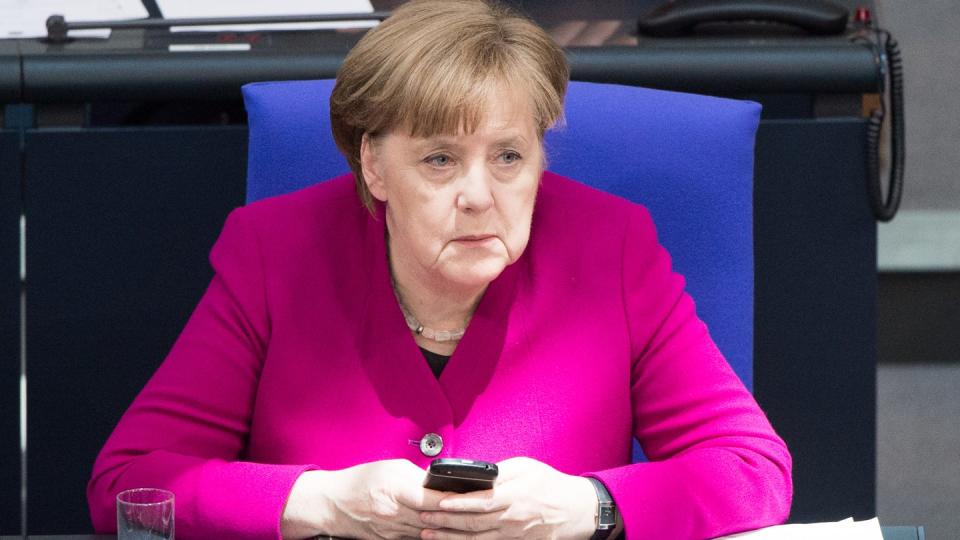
column 888, row 55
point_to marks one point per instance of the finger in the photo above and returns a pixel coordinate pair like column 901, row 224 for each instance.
column 421, row 498
column 414, row 494
column 488, row 500
column 447, row 534
column 394, row 530
column 509, row 469
column 406, row 517
column 462, row 521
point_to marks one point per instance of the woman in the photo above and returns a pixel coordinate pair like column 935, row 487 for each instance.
column 448, row 298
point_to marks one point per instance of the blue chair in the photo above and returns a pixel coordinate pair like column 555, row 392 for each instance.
column 687, row 158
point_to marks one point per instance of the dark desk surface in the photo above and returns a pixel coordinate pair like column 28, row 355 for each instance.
column 889, row 533
column 133, row 63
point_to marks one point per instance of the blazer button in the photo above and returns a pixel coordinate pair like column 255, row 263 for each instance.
column 431, row 444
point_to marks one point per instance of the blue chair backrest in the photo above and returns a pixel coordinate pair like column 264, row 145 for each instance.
column 687, row 158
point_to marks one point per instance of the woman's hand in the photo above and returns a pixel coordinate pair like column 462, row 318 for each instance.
column 382, row 499
column 530, row 499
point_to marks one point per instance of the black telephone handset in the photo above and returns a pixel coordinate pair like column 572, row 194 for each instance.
column 676, row 18
column 682, row 16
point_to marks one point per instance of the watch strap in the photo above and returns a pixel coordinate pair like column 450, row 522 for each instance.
column 606, row 511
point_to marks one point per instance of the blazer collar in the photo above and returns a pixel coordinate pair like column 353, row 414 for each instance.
column 395, row 364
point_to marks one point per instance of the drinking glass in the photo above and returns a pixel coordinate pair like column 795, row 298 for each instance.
column 145, row 514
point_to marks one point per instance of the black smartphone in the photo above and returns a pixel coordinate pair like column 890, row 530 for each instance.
column 460, row 475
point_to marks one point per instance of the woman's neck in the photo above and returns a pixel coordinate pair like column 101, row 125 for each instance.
column 434, row 302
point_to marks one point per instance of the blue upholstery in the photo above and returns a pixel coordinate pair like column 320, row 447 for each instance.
column 688, row 158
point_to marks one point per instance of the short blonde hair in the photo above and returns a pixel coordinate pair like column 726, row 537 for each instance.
column 429, row 67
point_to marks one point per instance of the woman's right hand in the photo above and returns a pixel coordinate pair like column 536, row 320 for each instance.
column 381, row 499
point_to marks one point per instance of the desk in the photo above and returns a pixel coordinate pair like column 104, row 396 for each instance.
column 889, row 533
column 137, row 62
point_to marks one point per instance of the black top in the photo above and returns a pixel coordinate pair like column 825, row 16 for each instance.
column 437, row 361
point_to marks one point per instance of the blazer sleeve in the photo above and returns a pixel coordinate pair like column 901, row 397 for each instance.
column 715, row 466
column 186, row 430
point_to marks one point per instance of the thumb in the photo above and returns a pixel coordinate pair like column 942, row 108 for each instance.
column 420, row 498
column 510, row 469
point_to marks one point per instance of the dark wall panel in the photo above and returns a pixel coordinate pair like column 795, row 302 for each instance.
column 919, row 317
column 120, row 223
column 815, row 319
column 9, row 332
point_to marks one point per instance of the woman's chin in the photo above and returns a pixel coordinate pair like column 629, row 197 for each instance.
column 477, row 273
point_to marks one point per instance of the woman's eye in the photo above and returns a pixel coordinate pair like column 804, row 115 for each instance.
column 439, row 160
column 510, row 157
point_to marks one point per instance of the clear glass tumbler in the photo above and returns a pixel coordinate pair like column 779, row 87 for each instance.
column 145, row 514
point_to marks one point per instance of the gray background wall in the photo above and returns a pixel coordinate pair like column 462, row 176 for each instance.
column 929, row 34
column 918, row 447
column 926, row 236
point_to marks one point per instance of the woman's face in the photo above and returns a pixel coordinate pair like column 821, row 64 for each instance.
column 459, row 207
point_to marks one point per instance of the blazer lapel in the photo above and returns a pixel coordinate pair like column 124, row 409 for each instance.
column 395, row 364
column 390, row 356
column 475, row 360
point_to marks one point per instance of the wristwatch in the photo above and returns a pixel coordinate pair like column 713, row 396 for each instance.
column 606, row 511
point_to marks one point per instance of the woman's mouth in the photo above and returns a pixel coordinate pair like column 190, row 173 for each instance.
column 474, row 239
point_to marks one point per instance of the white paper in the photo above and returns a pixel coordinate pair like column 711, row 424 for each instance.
column 28, row 18
column 209, row 47
column 181, row 9
column 847, row 529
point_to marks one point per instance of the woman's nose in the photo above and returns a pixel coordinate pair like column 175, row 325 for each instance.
column 475, row 193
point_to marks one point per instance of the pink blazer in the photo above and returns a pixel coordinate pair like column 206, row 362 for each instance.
column 297, row 357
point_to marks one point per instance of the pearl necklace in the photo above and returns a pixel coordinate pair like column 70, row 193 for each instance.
column 414, row 325
column 429, row 333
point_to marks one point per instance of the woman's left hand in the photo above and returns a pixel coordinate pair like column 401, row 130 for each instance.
column 530, row 499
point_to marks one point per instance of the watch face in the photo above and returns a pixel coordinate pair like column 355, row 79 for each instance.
column 608, row 516
column 606, row 511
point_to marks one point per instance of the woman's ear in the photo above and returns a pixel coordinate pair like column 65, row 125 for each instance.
column 371, row 169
